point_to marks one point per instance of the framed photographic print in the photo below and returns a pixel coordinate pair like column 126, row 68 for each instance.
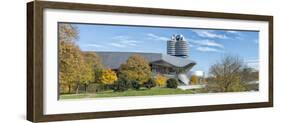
column 97, row 61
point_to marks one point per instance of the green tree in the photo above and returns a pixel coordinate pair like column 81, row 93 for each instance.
column 121, row 85
column 135, row 85
column 172, row 83
column 136, row 68
column 150, row 83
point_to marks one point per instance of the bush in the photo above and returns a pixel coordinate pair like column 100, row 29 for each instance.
column 95, row 87
column 107, row 76
column 160, row 80
column 121, row 85
column 135, row 85
column 172, row 83
column 150, row 83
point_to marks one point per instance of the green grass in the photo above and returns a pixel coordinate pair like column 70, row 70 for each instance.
column 141, row 92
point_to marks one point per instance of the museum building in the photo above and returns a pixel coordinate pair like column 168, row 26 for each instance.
column 175, row 63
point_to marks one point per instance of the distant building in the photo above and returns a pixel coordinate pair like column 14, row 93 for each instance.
column 171, row 47
column 174, row 64
column 177, row 46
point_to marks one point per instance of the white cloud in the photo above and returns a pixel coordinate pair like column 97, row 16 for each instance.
column 239, row 38
column 209, row 34
column 252, row 62
column 117, row 45
column 129, row 42
column 232, row 32
column 121, row 37
column 123, row 41
column 191, row 45
column 156, row 37
column 207, row 43
column 93, row 45
column 236, row 35
column 207, row 49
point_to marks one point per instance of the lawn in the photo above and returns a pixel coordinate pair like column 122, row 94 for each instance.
column 130, row 92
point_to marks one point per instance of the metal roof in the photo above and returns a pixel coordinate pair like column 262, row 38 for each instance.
column 113, row 60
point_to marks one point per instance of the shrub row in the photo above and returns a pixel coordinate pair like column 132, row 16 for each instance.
column 123, row 85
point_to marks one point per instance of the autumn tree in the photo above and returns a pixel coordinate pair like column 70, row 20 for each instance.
column 194, row 80
column 93, row 62
column 86, row 75
column 68, row 56
column 73, row 68
column 70, row 64
column 107, row 76
column 136, row 68
column 226, row 75
column 160, row 80
column 93, row 59
column 67, row 33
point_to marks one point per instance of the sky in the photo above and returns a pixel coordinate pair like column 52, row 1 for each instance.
column 206, row 46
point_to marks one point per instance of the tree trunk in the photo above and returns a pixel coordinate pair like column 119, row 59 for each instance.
column 69, row 89
column 77, row 89
column 85, row 88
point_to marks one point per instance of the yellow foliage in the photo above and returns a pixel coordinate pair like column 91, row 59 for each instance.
column 67, row 32
column 94, row 63
column 70, row 60
column 86, row 73
column 74, row 67
column 107, row 76
column 194, row 80
column 135, row 69
column 160, row 80
column 93, row 59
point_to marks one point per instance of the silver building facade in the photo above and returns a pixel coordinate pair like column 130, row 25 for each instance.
column 177, row 46
column 175, row 63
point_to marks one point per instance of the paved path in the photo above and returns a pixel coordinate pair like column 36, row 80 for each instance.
column 186, row 87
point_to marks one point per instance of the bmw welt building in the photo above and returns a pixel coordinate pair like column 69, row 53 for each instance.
column 173, row 64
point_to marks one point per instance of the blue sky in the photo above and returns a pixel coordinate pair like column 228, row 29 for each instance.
column 206, row 46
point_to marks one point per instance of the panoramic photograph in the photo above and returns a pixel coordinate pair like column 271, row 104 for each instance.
column 106, row 61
